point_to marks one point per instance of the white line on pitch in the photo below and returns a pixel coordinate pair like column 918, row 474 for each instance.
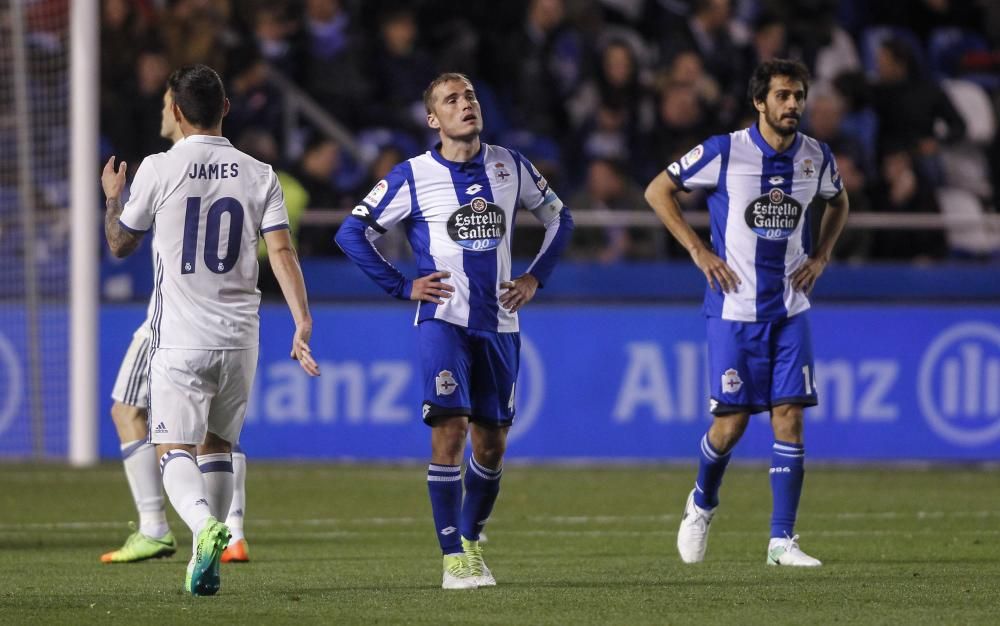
column 565, row 520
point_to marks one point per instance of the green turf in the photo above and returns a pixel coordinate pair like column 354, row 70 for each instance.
column 354, row 545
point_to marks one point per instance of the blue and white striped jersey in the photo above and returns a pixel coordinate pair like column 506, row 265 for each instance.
column 757, row 206
column 458, row 218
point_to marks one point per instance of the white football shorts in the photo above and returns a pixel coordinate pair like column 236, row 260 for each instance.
column 194, row 392
column 131, row 386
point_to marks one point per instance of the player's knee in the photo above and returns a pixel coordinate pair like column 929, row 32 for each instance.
column 214, row 444
column 130, row 422
column 448, row 438
column 490, row 455
column 786, row 421
column 726, row 431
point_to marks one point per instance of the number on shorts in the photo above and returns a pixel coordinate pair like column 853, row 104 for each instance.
column 213, row 230
column 810, row 382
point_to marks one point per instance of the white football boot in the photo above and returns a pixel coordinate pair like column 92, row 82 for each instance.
column 785, row 551
column 692, row 538
column 457, row 573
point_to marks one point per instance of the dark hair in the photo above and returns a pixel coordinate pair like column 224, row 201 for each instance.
column 442, row 78
column 901, row 51
column 199, row 93
column 760, row 82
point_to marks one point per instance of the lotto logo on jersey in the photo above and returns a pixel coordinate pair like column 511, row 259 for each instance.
column 479, row 225
column 775, row 215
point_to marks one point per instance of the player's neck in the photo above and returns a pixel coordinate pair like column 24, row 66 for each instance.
column 458, row 150
column 187, row 130
column 776, row 140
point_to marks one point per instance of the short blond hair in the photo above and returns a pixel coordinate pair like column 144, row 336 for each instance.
column 442, row 78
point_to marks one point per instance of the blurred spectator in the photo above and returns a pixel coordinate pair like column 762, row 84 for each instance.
column 277, row 38
column 315, row 172
column 403, row 69
column 769, row 39
column 617, row 83
column 707, row 32
column 543, row 66
column 902, row 190
column 132, row 125
column 682, row 124
column 124, row 30
column 854, row 244
column 815, row 37
column 824, row 121
column 195, row 32
column 254, row 102
column 609, row 189
column 334, row 70
column 910, row 108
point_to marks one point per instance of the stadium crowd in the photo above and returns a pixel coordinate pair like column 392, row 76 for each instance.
column 601, row 94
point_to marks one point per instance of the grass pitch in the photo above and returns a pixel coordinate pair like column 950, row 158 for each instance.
column 338, row 544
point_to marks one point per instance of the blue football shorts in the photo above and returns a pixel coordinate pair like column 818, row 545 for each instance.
column 754, row 366
column 468, row 372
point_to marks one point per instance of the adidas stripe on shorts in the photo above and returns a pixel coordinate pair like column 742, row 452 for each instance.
column 132, row 384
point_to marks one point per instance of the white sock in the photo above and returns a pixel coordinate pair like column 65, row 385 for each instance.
column 235, row 518
column 139, row 459
column 184, row 486
column 217, row 472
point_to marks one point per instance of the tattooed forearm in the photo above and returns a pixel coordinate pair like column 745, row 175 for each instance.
column 121, row 241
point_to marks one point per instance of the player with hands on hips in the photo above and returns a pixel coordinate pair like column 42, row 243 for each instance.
column 457, row 203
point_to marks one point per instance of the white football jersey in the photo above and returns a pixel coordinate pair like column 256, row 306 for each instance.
column 206, row 203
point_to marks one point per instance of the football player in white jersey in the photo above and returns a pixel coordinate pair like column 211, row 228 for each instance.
column 760, row 268
column 457, row 203
column 152, row 537
column 208, row 203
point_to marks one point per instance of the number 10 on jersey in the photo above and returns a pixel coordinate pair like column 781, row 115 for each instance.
column 213, row 231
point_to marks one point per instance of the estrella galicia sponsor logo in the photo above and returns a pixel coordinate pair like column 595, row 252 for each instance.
column 774, row 215
column 479, row 225
column 959, row 384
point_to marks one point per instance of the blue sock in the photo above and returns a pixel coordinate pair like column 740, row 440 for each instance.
column 711, row 468
column 482, row 486
column 444, row 483
column 787, row 472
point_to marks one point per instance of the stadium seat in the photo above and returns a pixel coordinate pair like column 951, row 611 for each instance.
column 975, row 235
column 947, row 46
column 975, row 107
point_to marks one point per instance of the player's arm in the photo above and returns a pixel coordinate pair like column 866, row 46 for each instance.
column 661, row 194
column 122, row 241
column 834, row 219
column 543, row 203
column 387, row 204
column 288, row 272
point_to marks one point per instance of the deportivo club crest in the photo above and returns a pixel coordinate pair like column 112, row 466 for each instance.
column 807, row 168
column 444, row 383
column 731, row 382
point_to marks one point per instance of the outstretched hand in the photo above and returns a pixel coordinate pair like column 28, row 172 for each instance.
column 113, row 181
column 301, row 351
column 519, row 292
column 430, row 288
